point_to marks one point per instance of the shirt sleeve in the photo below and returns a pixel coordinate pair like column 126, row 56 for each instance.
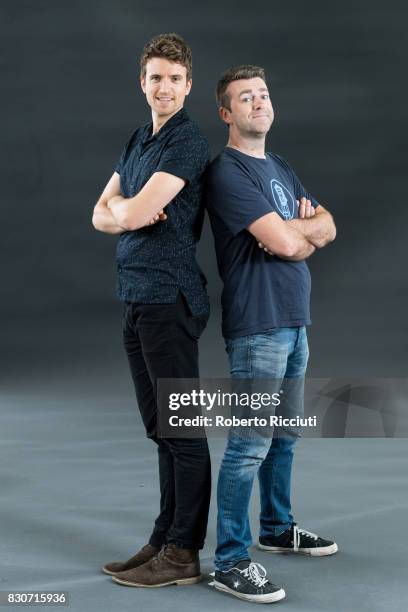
column 232, row 195
column 123, row 155
column 186, row 155
column 298, row 189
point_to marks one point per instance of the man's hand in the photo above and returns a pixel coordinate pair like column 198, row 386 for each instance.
column 262, row 246
column 161, row 216
column 315, row 224
column 306, row 210
column 146, row 207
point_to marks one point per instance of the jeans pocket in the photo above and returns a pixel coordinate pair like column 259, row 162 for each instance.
column 239, row 356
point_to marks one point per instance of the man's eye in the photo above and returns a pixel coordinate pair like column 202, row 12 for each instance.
column 246, row 99
column 265, row 97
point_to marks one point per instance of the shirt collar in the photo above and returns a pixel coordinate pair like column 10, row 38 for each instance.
column 180, row 117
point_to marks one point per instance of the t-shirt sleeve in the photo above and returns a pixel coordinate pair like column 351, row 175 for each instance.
column 298, row 189
column 186, row 155
column 118, row 167
column 123, row 155
column 234, row 197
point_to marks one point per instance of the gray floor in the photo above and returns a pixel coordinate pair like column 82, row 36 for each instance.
column 79, row 488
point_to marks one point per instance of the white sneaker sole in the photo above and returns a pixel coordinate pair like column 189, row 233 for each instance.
column 267, row 598
column 323, row 551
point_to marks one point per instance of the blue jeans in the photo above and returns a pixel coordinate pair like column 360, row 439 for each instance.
column 278, row 354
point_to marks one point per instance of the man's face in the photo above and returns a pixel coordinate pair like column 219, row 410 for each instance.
column 165, row 85
column 251, row 111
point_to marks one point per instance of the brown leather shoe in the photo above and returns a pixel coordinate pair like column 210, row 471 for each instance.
column 172, row 565
column 145, row 554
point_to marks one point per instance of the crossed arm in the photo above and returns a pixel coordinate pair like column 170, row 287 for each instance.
column 315, row 224
column 103, row 219
column 296, row 239
column 114, row 214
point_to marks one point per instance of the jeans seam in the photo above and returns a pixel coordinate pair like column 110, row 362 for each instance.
column 273, row 469
column 229, row 497
column 250, row 356
column 249, row 345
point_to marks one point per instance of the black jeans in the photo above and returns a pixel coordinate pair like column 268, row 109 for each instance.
column 161, row 341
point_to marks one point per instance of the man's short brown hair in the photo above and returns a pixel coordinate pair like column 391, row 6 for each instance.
column 170, row 47
column 235, row 74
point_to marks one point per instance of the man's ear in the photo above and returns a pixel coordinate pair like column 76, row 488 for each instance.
column 189, row 86
column 143, row 83
column 225, row 114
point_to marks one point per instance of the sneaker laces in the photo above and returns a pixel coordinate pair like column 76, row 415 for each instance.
column 298, row 532
column 256, row 573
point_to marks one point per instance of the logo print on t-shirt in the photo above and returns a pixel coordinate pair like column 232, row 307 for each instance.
column 283, row 199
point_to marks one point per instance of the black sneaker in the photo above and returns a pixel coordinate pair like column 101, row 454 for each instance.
column 247, row 580
column 296, row 540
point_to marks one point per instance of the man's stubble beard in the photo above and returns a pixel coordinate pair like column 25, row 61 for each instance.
column 255, row 135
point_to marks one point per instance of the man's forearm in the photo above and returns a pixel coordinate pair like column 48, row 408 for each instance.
column 118, row 206
column 303, row 252
column 289, row 244
column 318, row 230
column 104, row 221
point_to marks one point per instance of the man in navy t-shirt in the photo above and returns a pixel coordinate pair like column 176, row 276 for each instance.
column 265, row 225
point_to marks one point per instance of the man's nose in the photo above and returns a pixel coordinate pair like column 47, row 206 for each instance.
column 258, row 103
column 165, row 84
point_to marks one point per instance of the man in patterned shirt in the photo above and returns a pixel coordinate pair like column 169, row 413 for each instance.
column 153, row 202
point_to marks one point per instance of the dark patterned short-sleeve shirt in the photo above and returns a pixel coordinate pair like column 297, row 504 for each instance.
column 154, row 263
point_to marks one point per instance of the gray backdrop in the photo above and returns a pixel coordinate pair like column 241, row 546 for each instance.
column 71, row 99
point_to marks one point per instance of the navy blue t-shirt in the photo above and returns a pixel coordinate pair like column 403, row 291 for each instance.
column 260, row 291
